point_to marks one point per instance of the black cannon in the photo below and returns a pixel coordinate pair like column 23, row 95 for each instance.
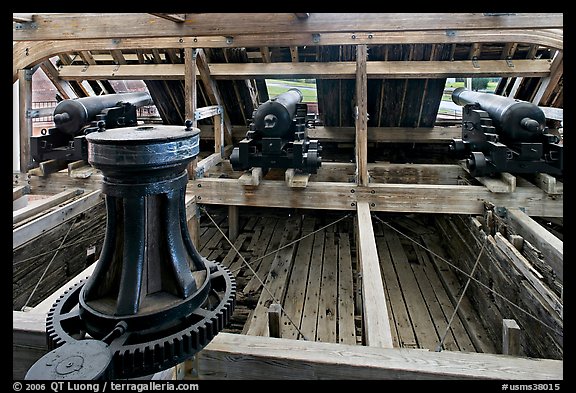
column 277, row 137
column 503, row 134
column 75, row 118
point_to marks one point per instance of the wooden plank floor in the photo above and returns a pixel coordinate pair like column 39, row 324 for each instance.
column 307, row 264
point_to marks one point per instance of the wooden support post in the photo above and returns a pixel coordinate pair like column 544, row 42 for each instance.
column 190, row 97
column 510, row 337
column 192, row 220
column 25, row 122
column 377, row 328
column 362, row 176
column 274, row 318
column 212, row 92
column 219, row 134
column 233, row 221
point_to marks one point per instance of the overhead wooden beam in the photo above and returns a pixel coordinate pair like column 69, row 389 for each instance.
column 62, row 86
column 332, row 70
column 376, row 321
column 178, row 18
column 28, row 53
column 121, row 26
column 549, row 83
column 406, row 198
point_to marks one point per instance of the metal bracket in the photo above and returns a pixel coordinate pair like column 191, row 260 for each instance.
column 500, row 211
column 199, row 173
column 450, row 33
column 28, row 74
column 25, row 26
column 229, row 40
column 475, row 62
column 32, row 113
column 315, row 38
column 509, row 62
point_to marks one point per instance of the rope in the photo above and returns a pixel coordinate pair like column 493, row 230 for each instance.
column 61, row 248
column 50, row 263
column 295, row 241
column 439, row 347
column 255, row 275
column 561, row 334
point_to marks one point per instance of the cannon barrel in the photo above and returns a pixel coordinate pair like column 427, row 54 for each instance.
column 70, row 116
column 514, row 120
column 274, row 117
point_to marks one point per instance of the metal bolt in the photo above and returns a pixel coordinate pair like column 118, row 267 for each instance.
column 352, row 191
column 195, row 39
column 353, row 204
column 199, row 197
column 199, row 185
column 353, row 36
column 372, row 204
column 181, row 40
column 370, row 36
column 372, row 191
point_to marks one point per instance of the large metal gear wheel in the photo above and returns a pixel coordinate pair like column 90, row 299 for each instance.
column 146, row 351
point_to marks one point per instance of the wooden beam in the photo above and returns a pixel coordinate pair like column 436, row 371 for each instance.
column 24, row 122
column 20, row 191
column 547, row 183
column 233, row 222
column 48, row 167
column 190, row 98
column 121, row 25
column 47, row 203
column 46, row 222
column 377, row 330
column 27, row 54
column 538, row 236
column 361, row 115
column 550, row 82
column 62, row 86
column 510, row 337
column 235, row 356
column 178, row 18
column 407, row 198
column 212, row 92
column 504, row 182
column 526, row 269
column 318, row 70
column 26, row 18
column 206, row 163
column 274, row 318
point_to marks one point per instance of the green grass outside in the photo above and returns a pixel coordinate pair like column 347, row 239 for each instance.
column 308, row 94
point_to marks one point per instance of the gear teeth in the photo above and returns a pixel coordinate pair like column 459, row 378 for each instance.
column 146, row 358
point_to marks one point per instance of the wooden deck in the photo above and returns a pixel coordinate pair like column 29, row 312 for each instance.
column 301, row 261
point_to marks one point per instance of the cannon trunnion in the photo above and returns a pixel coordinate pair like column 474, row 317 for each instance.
column 502, row 134
column 277, row 137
